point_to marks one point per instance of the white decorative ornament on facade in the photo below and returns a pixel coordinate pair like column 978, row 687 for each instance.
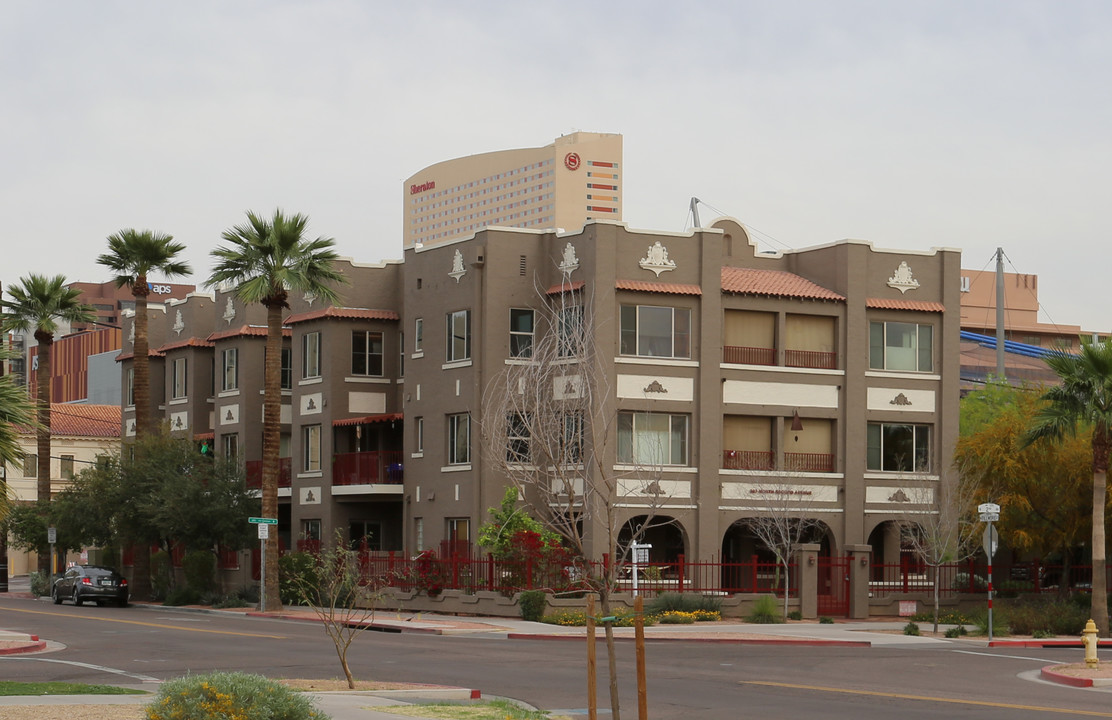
column 458, row 270
column 179, row 324
column 570, row 261
column 657, row 259
column 131, row 333
column 229, row 312
column 902, row 280
column 309, row 297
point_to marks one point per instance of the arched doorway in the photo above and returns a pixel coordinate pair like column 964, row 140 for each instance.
column 663, row 532
column 748, row 563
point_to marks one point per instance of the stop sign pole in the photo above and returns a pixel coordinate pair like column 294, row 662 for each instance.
column 989, row 513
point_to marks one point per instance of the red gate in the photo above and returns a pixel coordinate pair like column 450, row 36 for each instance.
column 833, row 586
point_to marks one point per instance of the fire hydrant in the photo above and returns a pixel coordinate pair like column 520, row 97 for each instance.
column 1089, row 639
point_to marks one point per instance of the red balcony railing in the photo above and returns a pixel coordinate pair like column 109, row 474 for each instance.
column 810, row 359
column 367, row 468
column 748, row 355
column 748, row 460
column 255, row 473
column 809, row 462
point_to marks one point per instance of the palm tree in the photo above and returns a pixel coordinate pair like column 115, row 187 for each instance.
column 1084, row 397
column 16, row 413
column 133, row 255
column 37, row 305
column 265, row 260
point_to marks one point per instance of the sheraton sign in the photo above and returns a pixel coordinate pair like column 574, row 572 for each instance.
column 423, row 187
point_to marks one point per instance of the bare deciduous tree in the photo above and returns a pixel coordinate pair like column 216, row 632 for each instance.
column 550, row 427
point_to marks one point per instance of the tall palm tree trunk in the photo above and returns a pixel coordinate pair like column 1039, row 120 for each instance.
column 272, row 420
column 1100, row 572
column 141, row 562
column 42, row 436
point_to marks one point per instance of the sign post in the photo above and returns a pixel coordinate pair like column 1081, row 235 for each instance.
column 989, row 513
column 264, row 533
column 52, row 537
column 640, row 557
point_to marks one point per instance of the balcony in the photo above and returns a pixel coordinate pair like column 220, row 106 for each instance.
column 367, row 468
column 748, row 460
column 811, row 359
column 809, row 462
column 748, row 355
column 737, row 355
column 255, row 473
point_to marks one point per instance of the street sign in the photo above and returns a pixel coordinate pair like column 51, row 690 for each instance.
column 51, row 535
column 264, row 531
column 990, row 540
column 263, row 521
column 988, row 508
column 989, row 517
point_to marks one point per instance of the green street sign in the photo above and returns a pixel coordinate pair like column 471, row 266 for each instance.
column 263, row 521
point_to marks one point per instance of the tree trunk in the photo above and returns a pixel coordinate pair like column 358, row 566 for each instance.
column 272, row 427
column 1100, row 572
column 611, row 656
column 42, row 437
column 141, row 551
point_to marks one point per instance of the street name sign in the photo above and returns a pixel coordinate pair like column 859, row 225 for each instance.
column 263, row 521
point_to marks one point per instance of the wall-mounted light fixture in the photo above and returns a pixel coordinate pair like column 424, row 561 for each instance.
column 797, row 424
column 864, row 561
column 810, row 559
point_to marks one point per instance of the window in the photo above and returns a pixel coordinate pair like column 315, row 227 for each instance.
column 401, row 354
column 649, row 331
column 287, row 368
column 310, row 443
column 459, row 439
column 419, row 532
column 229, row 378
column 459, row 535
column 419, row 429
column 30, row 465
column 571, row 451
column 521, row 333
column 517, row 438
column 366, row 353
column 310, row 529
column 652, row 438
column 310, row 355
column 899, row 448
column 130, row 387
column 418, row 335
column 67, row 467
column 230, row 443
column 901, row 346
column 570, row 330
column 177, row 379
column 459, row 335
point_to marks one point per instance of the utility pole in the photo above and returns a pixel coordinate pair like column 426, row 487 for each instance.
column 1000, row 314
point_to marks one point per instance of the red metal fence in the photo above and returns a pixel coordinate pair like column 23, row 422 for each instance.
column 972, row 577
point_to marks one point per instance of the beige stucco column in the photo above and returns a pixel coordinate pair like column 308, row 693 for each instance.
column 859, row 556
column 807, row 560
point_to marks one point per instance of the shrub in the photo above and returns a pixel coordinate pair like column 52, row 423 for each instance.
column 999, row 625
column 228, row 695
column 949, row 617
column 182, row 596
column 765, row 610
column 533, row 604
column 292, row 570
column 199, row 568
column 683, row 602
column 42, row 583
column 911, row 629
column 956, row 631
column 795, row 615
column 1053, row 617
column 963, row 583
column 235, row 600
column 160, row 575
column 673, row 617
column 826, row 620
column 578, row 618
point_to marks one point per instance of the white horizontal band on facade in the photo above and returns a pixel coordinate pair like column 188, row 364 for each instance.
column 800, row 395
column 902, row 376
column 659, row 362
column 455, row 468
column 809, row 510
column 779, row 369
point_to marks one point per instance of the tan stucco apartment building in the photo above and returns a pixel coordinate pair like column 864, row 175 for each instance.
column 576, row 178
column 831, row 371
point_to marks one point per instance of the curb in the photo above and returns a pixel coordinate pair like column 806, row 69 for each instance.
column 1049, row 643
column 377, row 626
column 732, row 641
column 1062, row 679
column 35, row 646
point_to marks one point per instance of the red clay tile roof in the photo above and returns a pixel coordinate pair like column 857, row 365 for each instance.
column 343, row 313
column 774, row 283
column 204, row 436
column 188, row 342
column 82, row 420
column 155, row 353
column 367, row 419
column 659, row 287
column 244, row 331
column 921, row 305
column 565, row 287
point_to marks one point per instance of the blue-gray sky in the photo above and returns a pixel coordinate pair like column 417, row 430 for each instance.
column 910, row 124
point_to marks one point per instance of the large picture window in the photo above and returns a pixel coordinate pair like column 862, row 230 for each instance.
column 459, row 336
column 366, row 353
column 310, row 355
column 459, row 439
column 229, row 363
column 649, row 331
column 652, row 438
column 893, row 447
column 901, row 346
column 521, row 332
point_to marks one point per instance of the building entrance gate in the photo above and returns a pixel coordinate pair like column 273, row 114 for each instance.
column 833, row 586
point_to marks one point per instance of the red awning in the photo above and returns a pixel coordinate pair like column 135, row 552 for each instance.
column 367, row 419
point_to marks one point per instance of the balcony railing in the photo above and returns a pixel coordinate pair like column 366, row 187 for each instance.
column 255, row 473
column 809, row 462
column 748, row 460
column 811, row 359
column 367, row 468
column 748, row 355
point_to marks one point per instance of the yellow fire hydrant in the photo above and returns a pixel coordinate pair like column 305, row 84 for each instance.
column 1089, row 639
